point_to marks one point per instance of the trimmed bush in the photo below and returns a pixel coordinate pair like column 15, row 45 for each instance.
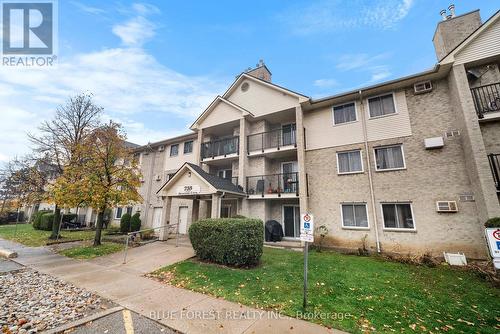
column 135, row 222
column 229, row 241
column 492, row 222
column 238, row 217
column 36, row 218
column 46, row 221
column 125, row 223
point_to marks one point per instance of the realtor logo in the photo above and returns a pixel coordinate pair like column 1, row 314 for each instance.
column 28, row 30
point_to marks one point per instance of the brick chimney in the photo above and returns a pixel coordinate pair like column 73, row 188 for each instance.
column 260, row 71
column 452, row 30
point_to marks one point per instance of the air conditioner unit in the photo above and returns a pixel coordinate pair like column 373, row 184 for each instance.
column 446, row 206
column 161, row 148
column 422, row 87
column 434, row 142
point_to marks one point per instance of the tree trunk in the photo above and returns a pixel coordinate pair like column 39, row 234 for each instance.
column 98, row 228
column 55, row 223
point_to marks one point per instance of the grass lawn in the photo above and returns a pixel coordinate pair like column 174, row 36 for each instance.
column 90, row 252
column 28, row 236
column 370, row 294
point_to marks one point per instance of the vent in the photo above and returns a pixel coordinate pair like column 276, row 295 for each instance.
column 466, row 198
column 161, row 148
column 446, row 206
column 158, row 177
column 452, row 133
column 422, row 87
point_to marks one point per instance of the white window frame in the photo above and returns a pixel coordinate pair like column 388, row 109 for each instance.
column 389, row 169
column 170, row 152
column 396, row 111
column 399, row 229
column 184, row 145
column 354, row 227
column 116, row 213
column 342, row 104
column 347, row 173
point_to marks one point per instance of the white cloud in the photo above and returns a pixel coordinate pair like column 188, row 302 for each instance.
column 137, row 30
column 88, row 9
column 349, row 62
column 131, row 85
column 379, row 73
column 325, row 83
column 334, row 15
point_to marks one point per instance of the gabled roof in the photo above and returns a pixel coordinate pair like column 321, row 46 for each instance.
column 217, row 183
column 450, row 56
column 244, row 76
column 219, row 99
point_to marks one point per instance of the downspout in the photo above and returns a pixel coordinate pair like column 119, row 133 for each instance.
column 220, row 202
column 369, row 168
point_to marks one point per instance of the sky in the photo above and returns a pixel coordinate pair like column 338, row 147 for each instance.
column 155, row 66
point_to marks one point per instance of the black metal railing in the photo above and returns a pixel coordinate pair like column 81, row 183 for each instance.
column 495, row 168
column 284, row 183
column 272, row 139
column 486, row 99
column 220, row 147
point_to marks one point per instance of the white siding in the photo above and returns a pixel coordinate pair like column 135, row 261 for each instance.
column 486, row 44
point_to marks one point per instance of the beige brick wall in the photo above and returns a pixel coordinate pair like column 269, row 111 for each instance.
column 430, row 175
column 491, row 136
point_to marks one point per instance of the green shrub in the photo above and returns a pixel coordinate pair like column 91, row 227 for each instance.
column 46, row 221
column 37, row 217
column 493, row 222
column 125, row 223
column 135, row 222
column 238, row 217
column 234, row 242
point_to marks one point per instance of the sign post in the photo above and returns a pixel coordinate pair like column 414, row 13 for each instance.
column 493, row 237
column 306, row 235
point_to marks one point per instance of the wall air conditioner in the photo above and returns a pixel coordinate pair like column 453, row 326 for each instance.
column 422, row 87
column 161, row 148
column 446, row 206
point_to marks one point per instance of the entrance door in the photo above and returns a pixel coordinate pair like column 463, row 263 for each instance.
column 183, row 218
column 288, row 134
column 291, row 221
column 225, row 211
column 289, row 171
column 157, row 215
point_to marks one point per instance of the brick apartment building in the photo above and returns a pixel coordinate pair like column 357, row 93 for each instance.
column 410, row 166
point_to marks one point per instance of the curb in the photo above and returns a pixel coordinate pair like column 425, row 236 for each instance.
column 7, row 253
column 83, row 321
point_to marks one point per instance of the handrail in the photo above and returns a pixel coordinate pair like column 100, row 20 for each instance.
column 133, row 234
column 281, row 183
column 486, row 99
column 276, row 138
column 214, row 148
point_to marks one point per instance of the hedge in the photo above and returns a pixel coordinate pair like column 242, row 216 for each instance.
column 492, row 222
column 229, row 241
column 125, row 223
column 46, row 221
column 135, row 222
column 36, row 218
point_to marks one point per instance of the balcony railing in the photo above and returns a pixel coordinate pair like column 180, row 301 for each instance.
column 495, row 168
column 272, row 139
column 284, row 183
column 220, row 147
column 486, row 99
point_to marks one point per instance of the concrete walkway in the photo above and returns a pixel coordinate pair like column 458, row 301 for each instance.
column 180, row 309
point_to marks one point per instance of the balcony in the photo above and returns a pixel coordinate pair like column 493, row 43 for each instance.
column 220, row 149
column 283, row 139
column 284, row 185
column 494, row 160
column 486, row 99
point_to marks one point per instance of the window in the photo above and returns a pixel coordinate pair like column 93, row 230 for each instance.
column 381, row 105
column 344, row 113
column 129, row 210
column 225, row 174
column 354, row 215
column 174, row 150
column 390, row 157
column 349, row 162
column 118, row 213
column 398, row 216
column 188, row 147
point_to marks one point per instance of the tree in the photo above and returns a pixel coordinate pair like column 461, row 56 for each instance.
column 61, row 137
column 108, row 176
